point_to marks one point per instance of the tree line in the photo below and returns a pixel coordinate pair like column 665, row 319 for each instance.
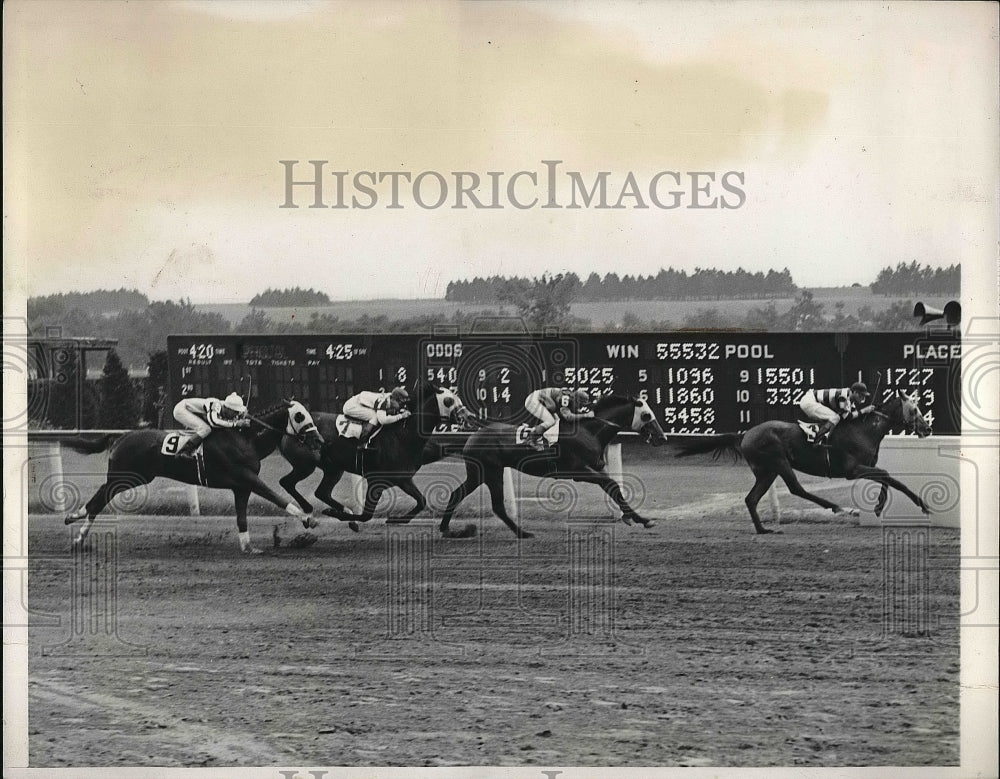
column 118, row 401
column 293, row 296
column 914, row 279
column 667, row 284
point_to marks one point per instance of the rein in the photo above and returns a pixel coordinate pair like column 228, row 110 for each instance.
column 301, row 437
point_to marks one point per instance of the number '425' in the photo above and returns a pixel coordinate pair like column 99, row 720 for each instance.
column 340, row 351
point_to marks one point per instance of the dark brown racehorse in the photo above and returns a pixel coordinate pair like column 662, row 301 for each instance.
column 578, row 455
column 395, row 455
column 231, row 461
column 774, row 449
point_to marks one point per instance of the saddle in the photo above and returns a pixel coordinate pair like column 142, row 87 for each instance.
column 175, row 440
column 348, row 427
column 172, row 444
column 810, row 429
column 522, row 436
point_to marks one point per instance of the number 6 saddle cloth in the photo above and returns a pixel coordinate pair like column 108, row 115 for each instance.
column 522, row 433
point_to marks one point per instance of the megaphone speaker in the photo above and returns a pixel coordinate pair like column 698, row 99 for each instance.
column 952, row 313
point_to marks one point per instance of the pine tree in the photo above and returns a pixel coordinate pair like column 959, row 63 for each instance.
column 118, row 405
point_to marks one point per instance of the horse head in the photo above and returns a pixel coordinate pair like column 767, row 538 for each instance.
column 441, row 403
column 645, row 423
column 913, row 420
column 903, row 410
column 301, row 424
column 633, row 414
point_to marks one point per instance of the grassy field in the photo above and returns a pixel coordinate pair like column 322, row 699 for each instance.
column 602, row 315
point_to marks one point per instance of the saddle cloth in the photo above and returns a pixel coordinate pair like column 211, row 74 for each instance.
column 351, row 428
column 809, row 428
column 550, row 436
column 174, row 440
column 172, row 444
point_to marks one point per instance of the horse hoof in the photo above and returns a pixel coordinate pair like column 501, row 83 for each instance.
column 310, row 522
column 354, row 526
column 525, row 534
column 629, row 519
column 648, row 523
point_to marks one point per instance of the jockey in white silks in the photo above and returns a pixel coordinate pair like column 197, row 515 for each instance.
column 374, row 409
column 550, row 403
column 830, row 406
column 201, row 415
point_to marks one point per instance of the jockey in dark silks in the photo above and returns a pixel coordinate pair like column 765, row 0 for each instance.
column 830, row 406
column 201, row 415
column 550, row 403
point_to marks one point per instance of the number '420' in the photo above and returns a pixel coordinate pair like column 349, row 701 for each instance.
column 201, row 351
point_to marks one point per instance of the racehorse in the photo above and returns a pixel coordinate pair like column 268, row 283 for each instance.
column 578, row 455
column 395, row 454
column 231, row 460
column 774, row 449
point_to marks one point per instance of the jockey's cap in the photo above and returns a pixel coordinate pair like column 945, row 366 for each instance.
column 400, row 395
column 860, row 388
column 235, row 402
column 582, row 397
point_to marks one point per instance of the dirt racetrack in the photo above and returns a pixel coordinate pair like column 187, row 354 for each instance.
column 695, row 643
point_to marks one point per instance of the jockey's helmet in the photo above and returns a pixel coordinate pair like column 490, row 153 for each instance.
column 581, row 398
column 400, row 395
column 235, row 403
column 860, row 389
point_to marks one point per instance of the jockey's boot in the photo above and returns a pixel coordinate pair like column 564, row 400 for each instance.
column 823, row 433
column 535, row 439
column 367, row 430
column 190, row 445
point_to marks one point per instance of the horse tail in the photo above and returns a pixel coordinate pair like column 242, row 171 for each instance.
column 88, row 446
column 717, row 445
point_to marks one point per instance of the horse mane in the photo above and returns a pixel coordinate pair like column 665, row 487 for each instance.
column 422, row 391
column 605, row 401
column 265, row 412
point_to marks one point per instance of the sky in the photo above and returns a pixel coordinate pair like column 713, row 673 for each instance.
column 142, row 141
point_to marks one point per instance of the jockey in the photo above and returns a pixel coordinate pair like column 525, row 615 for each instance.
column 375, row 409
column 201, row 415
column 830, row 406
column 546, row 403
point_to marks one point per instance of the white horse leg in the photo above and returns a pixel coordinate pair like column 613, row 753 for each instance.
column 246, row 546
column 84, row 530
column 77, row 515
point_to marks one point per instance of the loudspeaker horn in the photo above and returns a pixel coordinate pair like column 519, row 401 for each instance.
column 952, row 313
